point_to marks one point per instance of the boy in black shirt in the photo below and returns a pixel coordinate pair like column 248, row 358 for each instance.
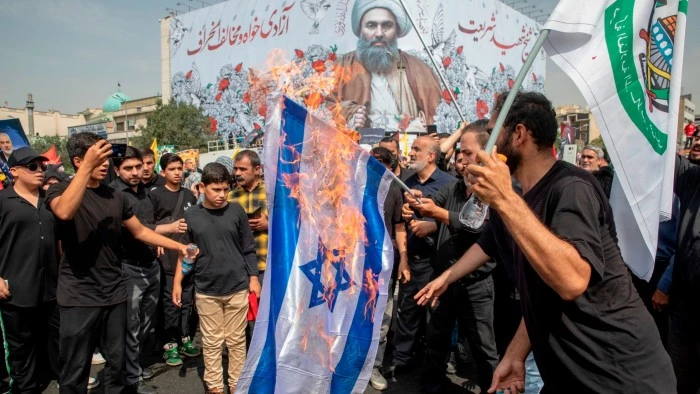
column 169, row 205
column 28, row 270
column 91, row 292
column 224, row 273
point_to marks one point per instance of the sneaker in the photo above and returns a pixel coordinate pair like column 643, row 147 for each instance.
column 377, row 380
column 452, row 364
column 188, row 349
column 140, row 387
column 97, row 359
column 147, row 374
column 171, row 355
column 92, row 383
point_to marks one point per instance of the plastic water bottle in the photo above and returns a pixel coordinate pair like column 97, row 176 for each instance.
column 187, row 262
column 473, row 213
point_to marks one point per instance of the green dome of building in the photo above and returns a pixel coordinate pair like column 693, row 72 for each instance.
column 114, row 102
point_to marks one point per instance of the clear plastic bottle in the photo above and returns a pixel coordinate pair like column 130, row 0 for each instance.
column 473, row 213
column 187, row 262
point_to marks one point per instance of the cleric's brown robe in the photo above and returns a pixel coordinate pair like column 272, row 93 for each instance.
column 353, row 86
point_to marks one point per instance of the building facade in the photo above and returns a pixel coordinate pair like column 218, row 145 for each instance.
column 581, row 121
column 46, row 123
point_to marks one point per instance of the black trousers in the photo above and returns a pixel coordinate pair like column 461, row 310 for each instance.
column 177, row 322
column 82, row 329
column 31, row 345
column 410, row 317
column 471, row 306
column 646, row 291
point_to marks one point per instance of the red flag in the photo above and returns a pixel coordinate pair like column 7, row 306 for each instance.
column 252, row 306
column 52, row 155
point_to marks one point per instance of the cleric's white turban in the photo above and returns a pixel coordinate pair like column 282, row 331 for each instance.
column 394, row 6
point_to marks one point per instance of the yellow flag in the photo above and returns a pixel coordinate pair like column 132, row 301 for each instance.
column 154, row 148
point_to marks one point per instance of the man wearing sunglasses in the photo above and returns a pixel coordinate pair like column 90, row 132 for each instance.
column 28, row 274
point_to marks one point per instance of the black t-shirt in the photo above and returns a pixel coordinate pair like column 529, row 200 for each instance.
column 164, row 202
column 456, row 238
column 156, row 181
column 90, row 272
column 226, row 248
column 392, row 208
column 135, row 251
column 28, row 250
column 605, row 341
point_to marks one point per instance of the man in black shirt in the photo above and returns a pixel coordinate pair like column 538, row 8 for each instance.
column 470, row 301
column 392, row 144
column 91, row 292
column 150, row 177
column 169, row 205
column 396, row 228
column 139, row 266
column 684, row 335
column 421, row 245
column 224, row 273
column 28, row 270
column 587, row 327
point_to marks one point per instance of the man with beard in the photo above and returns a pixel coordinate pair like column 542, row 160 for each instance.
column 5, row 147
column 5, row 152
column 140, row 267
column 392, row 144
column 470, row 301
column 378, row 83
column 694, row 154
column 150, row 178
column 586, row 325
column 250, row 194
column 428, row 179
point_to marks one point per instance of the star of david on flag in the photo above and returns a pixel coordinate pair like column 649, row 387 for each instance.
column 330, row 260
column 320, row 294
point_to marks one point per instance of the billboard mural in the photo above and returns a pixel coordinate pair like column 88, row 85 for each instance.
column 359, row 62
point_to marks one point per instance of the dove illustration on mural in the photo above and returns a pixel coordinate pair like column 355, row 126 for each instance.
column 315, row 10
column 441, row 46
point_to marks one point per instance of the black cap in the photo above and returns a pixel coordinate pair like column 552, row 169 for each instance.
column 24, row 156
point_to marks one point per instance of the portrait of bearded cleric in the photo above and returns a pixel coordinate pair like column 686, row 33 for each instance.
column 378, row 84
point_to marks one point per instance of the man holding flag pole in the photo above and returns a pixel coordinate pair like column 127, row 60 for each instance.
column 582, row 318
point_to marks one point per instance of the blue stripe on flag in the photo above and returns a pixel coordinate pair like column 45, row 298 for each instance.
column 360, row 334
column 284, row 234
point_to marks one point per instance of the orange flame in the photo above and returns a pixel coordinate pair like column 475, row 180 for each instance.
column 371, row 287
column 325, row 191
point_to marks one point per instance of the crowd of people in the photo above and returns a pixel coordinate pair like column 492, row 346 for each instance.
column 538, row 299
column 89, row 264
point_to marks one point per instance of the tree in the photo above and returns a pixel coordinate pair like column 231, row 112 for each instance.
column 175, row 123
column 598, row 141
column 42, row 144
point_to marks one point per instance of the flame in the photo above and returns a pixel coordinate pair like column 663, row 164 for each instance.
column 371, row 287
column 325, row 191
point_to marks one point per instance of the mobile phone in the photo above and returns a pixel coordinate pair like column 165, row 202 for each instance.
column 118, row 150
column 256, row 214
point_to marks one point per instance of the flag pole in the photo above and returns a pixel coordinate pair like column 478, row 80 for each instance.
column 514, row 90
column 435, row 65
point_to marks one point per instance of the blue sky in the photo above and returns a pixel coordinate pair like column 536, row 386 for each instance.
column 70, row 54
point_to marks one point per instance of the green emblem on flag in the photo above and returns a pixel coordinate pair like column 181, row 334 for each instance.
column 656, row 63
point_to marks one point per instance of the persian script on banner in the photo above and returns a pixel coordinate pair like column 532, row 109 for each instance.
column 626, row 56
column 219, row 56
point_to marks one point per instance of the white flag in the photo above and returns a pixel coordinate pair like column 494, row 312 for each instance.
column 621, row 55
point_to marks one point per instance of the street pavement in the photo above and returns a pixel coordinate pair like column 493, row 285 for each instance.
column 187, row 379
